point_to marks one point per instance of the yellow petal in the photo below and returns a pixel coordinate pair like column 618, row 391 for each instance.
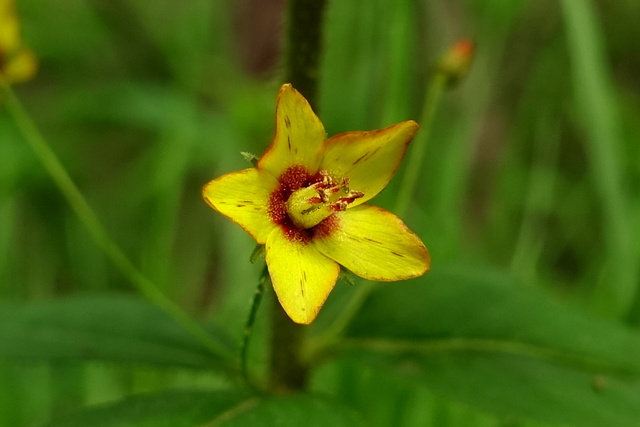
column 368, row 159
column 299, row 135
column 20, row 67
column 374, row 244
column 243, row 196
column 9, row 27
column 302, row 277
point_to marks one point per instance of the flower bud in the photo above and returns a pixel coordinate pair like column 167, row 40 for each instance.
column 454, row 64
column 17, row 62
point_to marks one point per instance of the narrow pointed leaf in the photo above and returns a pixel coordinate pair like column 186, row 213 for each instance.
column 109, row 327
column 230, row 408
column 484, row 340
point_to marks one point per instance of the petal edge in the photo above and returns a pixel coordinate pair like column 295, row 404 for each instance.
column 368, row 159
column 299, row 135
column 243, row 197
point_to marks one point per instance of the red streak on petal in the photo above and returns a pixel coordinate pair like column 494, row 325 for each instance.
column 347, row 200
column 326, row 227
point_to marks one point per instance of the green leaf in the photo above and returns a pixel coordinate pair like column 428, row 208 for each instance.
column 214, row 408
column 166, row 409
column 112, row 327
column 295, row 410
column 484, row 340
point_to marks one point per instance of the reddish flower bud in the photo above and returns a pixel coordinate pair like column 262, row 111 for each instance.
column 454, row 64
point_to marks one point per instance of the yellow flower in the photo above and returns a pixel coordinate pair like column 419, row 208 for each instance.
column 305, row 201
column 17, row 63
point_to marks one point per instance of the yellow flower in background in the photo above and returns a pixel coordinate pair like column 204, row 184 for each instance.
column 17, row 62
column 305, row 200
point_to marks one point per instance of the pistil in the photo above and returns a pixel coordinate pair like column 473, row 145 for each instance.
column 308, row 206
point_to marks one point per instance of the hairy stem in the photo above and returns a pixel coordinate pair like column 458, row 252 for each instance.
column 304, row 45
column 288, row 370
column 248, row 328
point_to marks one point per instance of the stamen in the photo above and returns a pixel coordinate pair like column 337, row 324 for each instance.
column 342, row 202
column 344, row 183
column 339, row 206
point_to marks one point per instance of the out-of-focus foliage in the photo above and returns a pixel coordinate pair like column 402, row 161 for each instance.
column 532, row 170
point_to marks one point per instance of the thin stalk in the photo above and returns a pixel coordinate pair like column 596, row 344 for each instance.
column 437, row 86
column 92, row 224
column 418, row 149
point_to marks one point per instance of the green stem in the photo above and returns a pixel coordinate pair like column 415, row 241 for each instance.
column 304, row 44
column 89, row 219
column 248, row 329
column 289, row 372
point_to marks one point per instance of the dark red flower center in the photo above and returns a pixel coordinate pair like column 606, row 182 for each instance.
column 291, row 180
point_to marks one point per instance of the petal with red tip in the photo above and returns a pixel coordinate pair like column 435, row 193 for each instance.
column 21, row 67
column 298, row 138
column 368, row 159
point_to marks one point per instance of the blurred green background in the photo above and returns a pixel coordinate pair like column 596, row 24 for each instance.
column 532, row 166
